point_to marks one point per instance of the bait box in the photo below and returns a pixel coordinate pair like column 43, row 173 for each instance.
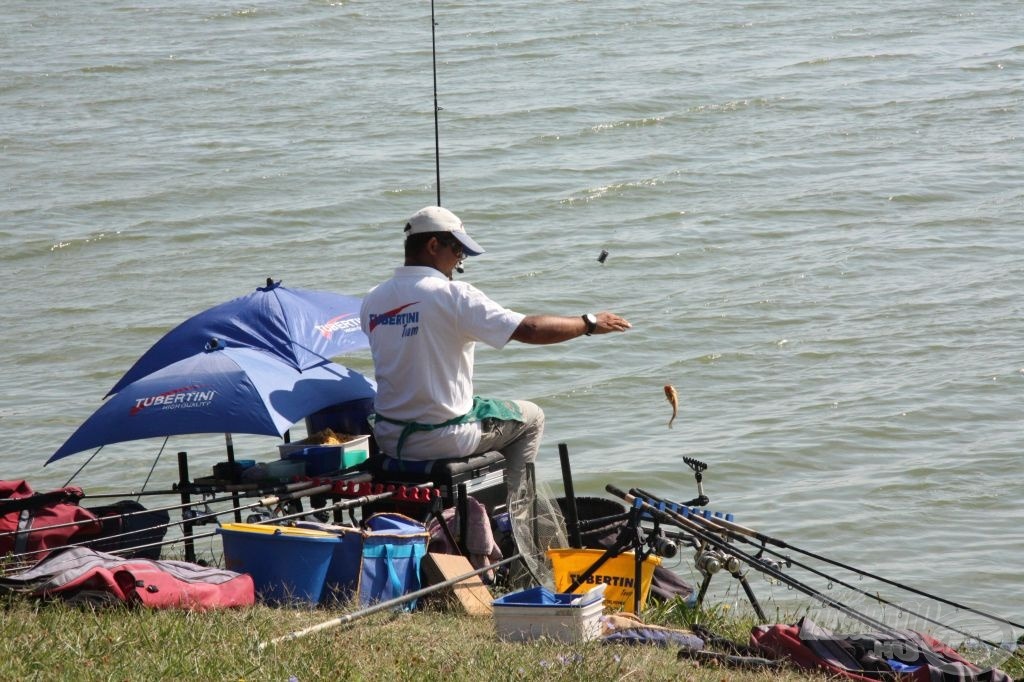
column 539, row 612
column 323, row 459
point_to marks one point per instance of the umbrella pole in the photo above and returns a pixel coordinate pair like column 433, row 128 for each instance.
column 231, row 467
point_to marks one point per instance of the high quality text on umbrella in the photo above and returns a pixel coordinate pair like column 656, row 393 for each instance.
column 302, row 327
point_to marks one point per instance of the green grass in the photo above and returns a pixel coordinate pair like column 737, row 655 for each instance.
column 54, row 641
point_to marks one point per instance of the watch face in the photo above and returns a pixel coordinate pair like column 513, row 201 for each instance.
column 591, row 318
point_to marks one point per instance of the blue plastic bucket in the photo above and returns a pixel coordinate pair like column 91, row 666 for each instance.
column 342, row 578
column 287, row 565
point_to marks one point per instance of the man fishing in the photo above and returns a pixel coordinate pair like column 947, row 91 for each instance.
column 423, row 327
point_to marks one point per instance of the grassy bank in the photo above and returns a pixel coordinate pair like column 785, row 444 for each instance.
column 54, row 641
column 59, row 642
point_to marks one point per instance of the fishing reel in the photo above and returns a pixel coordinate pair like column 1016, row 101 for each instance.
column 662, row 546
column 711, row 561
column 776, row 565
column 199, row 517
column 259, row 515
column 288, row 508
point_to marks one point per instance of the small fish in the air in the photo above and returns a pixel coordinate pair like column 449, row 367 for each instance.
column 673, row 400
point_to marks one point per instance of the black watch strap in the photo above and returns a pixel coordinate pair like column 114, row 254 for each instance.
column 591, row 321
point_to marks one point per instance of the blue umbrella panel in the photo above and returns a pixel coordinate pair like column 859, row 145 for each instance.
column 302, row 327
column 224, row 390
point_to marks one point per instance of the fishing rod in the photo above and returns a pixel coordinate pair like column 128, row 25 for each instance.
column 130, row 493
column 697, row 525
column 339, row 505
column 195, row 520
column 735, row 530
column 789, row 561
column 437, row 133
column 390, row 603
column 709, row 537
column 437, row 127
column 289, row 487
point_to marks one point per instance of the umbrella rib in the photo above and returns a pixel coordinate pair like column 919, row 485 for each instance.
column 150, row 474
column 74, row 475
column 287, row 327
column 292, row 341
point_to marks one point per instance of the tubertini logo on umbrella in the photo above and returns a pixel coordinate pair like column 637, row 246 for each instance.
column 345, row 323
column 178, row 398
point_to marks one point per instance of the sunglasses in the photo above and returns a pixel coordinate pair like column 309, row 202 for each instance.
column 455, row 245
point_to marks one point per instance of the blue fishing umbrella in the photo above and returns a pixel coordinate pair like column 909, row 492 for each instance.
column 221, row 390
column 302, row 327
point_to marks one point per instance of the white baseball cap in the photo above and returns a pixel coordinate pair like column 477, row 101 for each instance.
column 439, row 219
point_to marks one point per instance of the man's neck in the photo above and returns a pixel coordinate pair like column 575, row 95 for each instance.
column 424, row 263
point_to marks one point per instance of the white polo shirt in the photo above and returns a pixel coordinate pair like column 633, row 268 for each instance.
column 423, row 329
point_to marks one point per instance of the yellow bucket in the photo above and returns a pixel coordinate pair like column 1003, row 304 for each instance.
column 618, row 573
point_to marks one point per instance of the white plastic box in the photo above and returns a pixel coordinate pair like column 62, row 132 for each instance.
column 539, row 612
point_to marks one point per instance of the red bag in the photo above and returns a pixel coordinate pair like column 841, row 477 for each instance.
column 79, row 573
column 867, row 657
column 26, row 519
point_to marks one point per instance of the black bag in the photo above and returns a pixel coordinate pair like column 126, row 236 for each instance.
column 127, row 524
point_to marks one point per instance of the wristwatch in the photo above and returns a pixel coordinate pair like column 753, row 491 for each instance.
column 591, row 320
